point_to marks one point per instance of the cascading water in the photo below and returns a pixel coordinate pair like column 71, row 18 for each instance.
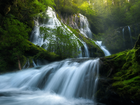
column 85, row 30
column 130, row 35
column 84, row 27
column 106, row 52
column 68, row 82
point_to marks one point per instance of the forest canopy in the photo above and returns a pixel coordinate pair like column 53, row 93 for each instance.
column 102, row 14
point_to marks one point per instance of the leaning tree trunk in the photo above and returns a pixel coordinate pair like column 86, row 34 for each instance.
column 137, row 43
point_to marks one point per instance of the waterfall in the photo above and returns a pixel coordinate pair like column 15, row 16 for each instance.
column 53, row 23
column 84, row 26
column 67, row 82
column 106, row 52
column 130, row 35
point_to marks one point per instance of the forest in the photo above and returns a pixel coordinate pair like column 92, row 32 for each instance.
column 104, row 16
column 114, row 22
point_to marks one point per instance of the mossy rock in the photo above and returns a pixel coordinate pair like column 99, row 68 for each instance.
column 40, row 53
column 124, row 74
column 32, row 52
column 123, row 71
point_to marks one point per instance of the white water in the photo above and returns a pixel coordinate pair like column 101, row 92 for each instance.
column 68, row 82
column 84, row 27
column 53, row 23
column 106, row 52
column 130, row 36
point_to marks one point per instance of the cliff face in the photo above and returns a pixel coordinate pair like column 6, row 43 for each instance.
column 80, row 23
column 71, row 20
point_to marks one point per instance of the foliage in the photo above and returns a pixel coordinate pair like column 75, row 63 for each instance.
column 65, row 7
column 16, row 21
column 61, row 41
column 13, row 39
column 103, row 15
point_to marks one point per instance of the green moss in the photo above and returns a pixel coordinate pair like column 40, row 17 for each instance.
column 126, row 73
column 31, row 23
column 128, row 88
column 40, row 53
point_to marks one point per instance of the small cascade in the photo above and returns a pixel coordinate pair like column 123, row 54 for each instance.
column 27, row 64
column 52, row 23
column 123, row 36
column 106, row 52
column 130, row 36
column 35, row 35
column 84, row 27
column 67, row 82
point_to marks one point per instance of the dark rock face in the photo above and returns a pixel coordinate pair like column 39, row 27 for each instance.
column 115, row 76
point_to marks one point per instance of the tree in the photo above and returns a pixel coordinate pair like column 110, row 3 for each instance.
column 61, row 41
column 13, row 39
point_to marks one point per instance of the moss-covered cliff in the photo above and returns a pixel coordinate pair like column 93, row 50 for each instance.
column 32, row 52
column 94, row 50
column 73, row 23
column 120, row 77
